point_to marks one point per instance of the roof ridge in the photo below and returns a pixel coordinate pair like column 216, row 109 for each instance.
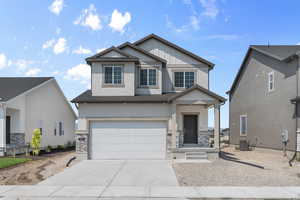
column 175, row 46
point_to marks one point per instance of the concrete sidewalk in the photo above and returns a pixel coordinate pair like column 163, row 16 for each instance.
column 156, row 192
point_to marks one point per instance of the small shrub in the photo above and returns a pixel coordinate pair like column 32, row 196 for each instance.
column 69, row 144
column 60, row 147
column 48, row 149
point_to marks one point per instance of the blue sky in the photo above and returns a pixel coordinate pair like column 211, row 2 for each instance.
column 52, row 37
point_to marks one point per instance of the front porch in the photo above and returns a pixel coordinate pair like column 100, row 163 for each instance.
column 12, row 134
column 189, row 124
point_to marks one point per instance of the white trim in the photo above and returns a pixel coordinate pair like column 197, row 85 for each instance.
column 271, row 74
column 113, row 66
column 184, row 71
column 246, row 124
column 147, row 77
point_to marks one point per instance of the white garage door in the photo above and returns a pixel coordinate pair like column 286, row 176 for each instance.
column 128, row 140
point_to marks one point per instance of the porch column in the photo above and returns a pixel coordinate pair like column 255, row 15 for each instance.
column 82, row 139
column 174, row 126
column 217, row 126
column 2, row 129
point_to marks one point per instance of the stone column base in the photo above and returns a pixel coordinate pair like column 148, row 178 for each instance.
column 82, row 138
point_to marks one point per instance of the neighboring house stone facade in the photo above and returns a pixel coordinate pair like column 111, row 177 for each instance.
column 264, row 96
column 28, row 103
column 148, row 100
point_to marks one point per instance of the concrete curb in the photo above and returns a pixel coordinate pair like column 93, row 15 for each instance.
column 50, row 192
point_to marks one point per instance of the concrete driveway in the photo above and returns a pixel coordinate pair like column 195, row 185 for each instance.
column 141, row 173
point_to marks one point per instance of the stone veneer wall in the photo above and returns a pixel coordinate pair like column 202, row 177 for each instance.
column 82, row 145
column 17, row 139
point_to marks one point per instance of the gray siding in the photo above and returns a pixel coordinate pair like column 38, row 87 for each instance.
column 268, row 113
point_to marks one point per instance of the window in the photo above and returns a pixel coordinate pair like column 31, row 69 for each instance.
column 55, row 128
column 113, row 74
column 41, row 126
column 184, row 79
column 243, row 125
column 147, row 77
column 60, row 129
column 271, row 81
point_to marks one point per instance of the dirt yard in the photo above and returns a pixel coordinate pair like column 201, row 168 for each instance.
column 276, row 172
column 32, row 172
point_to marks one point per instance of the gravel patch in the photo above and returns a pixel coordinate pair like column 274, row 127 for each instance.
column 276, row 172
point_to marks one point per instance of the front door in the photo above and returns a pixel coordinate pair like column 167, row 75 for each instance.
column 190, row 135
column 7, row 129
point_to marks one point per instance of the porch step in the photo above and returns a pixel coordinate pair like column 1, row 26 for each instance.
column 196, row 156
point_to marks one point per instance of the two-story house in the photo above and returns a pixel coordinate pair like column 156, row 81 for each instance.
column 264, row 97
column 148, row 100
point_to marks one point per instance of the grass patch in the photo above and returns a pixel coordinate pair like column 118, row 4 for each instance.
column 7, row 162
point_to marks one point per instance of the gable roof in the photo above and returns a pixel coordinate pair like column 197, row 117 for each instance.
column 128, row 44
column 99, row 56
column 279, row 52
column 282, row 53
column 11, row 87
column 201, row 89
column 170, row 44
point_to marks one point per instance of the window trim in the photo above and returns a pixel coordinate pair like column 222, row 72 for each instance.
column 156, row 77
column 184, row 71
column 246, row 124
column 269, row 81
column 112, row 84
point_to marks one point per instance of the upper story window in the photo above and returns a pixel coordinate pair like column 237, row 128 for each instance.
column 271, row 81
column 184, row 79
column 113, row 74
column 147, row 77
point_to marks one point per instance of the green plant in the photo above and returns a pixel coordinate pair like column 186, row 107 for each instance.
column 69, row 144
column 36, row 141
column 60, row 147
column 48, row 149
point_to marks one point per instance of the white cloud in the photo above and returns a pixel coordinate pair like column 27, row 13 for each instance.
column 194, row 22
column 48, row 44
column 82, row 50
column 32, row 72
column 21, row 64
column 60, row 46
column 99, row 50
column 223, row 37
column 56, row 6
column 3, row 61
column 298, row 43
column 119, row 21
column 56, row 72
column 210, row 8
column 81, row 73
column 89, row 18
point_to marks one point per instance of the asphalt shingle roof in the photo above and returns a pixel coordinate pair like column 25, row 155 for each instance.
column 281, row 52
column 11, row 87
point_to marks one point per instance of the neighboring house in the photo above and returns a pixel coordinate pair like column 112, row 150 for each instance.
column 148, row 100
column 264, row 96
column 30, row 103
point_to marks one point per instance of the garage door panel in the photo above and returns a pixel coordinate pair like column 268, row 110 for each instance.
column 128, row 140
